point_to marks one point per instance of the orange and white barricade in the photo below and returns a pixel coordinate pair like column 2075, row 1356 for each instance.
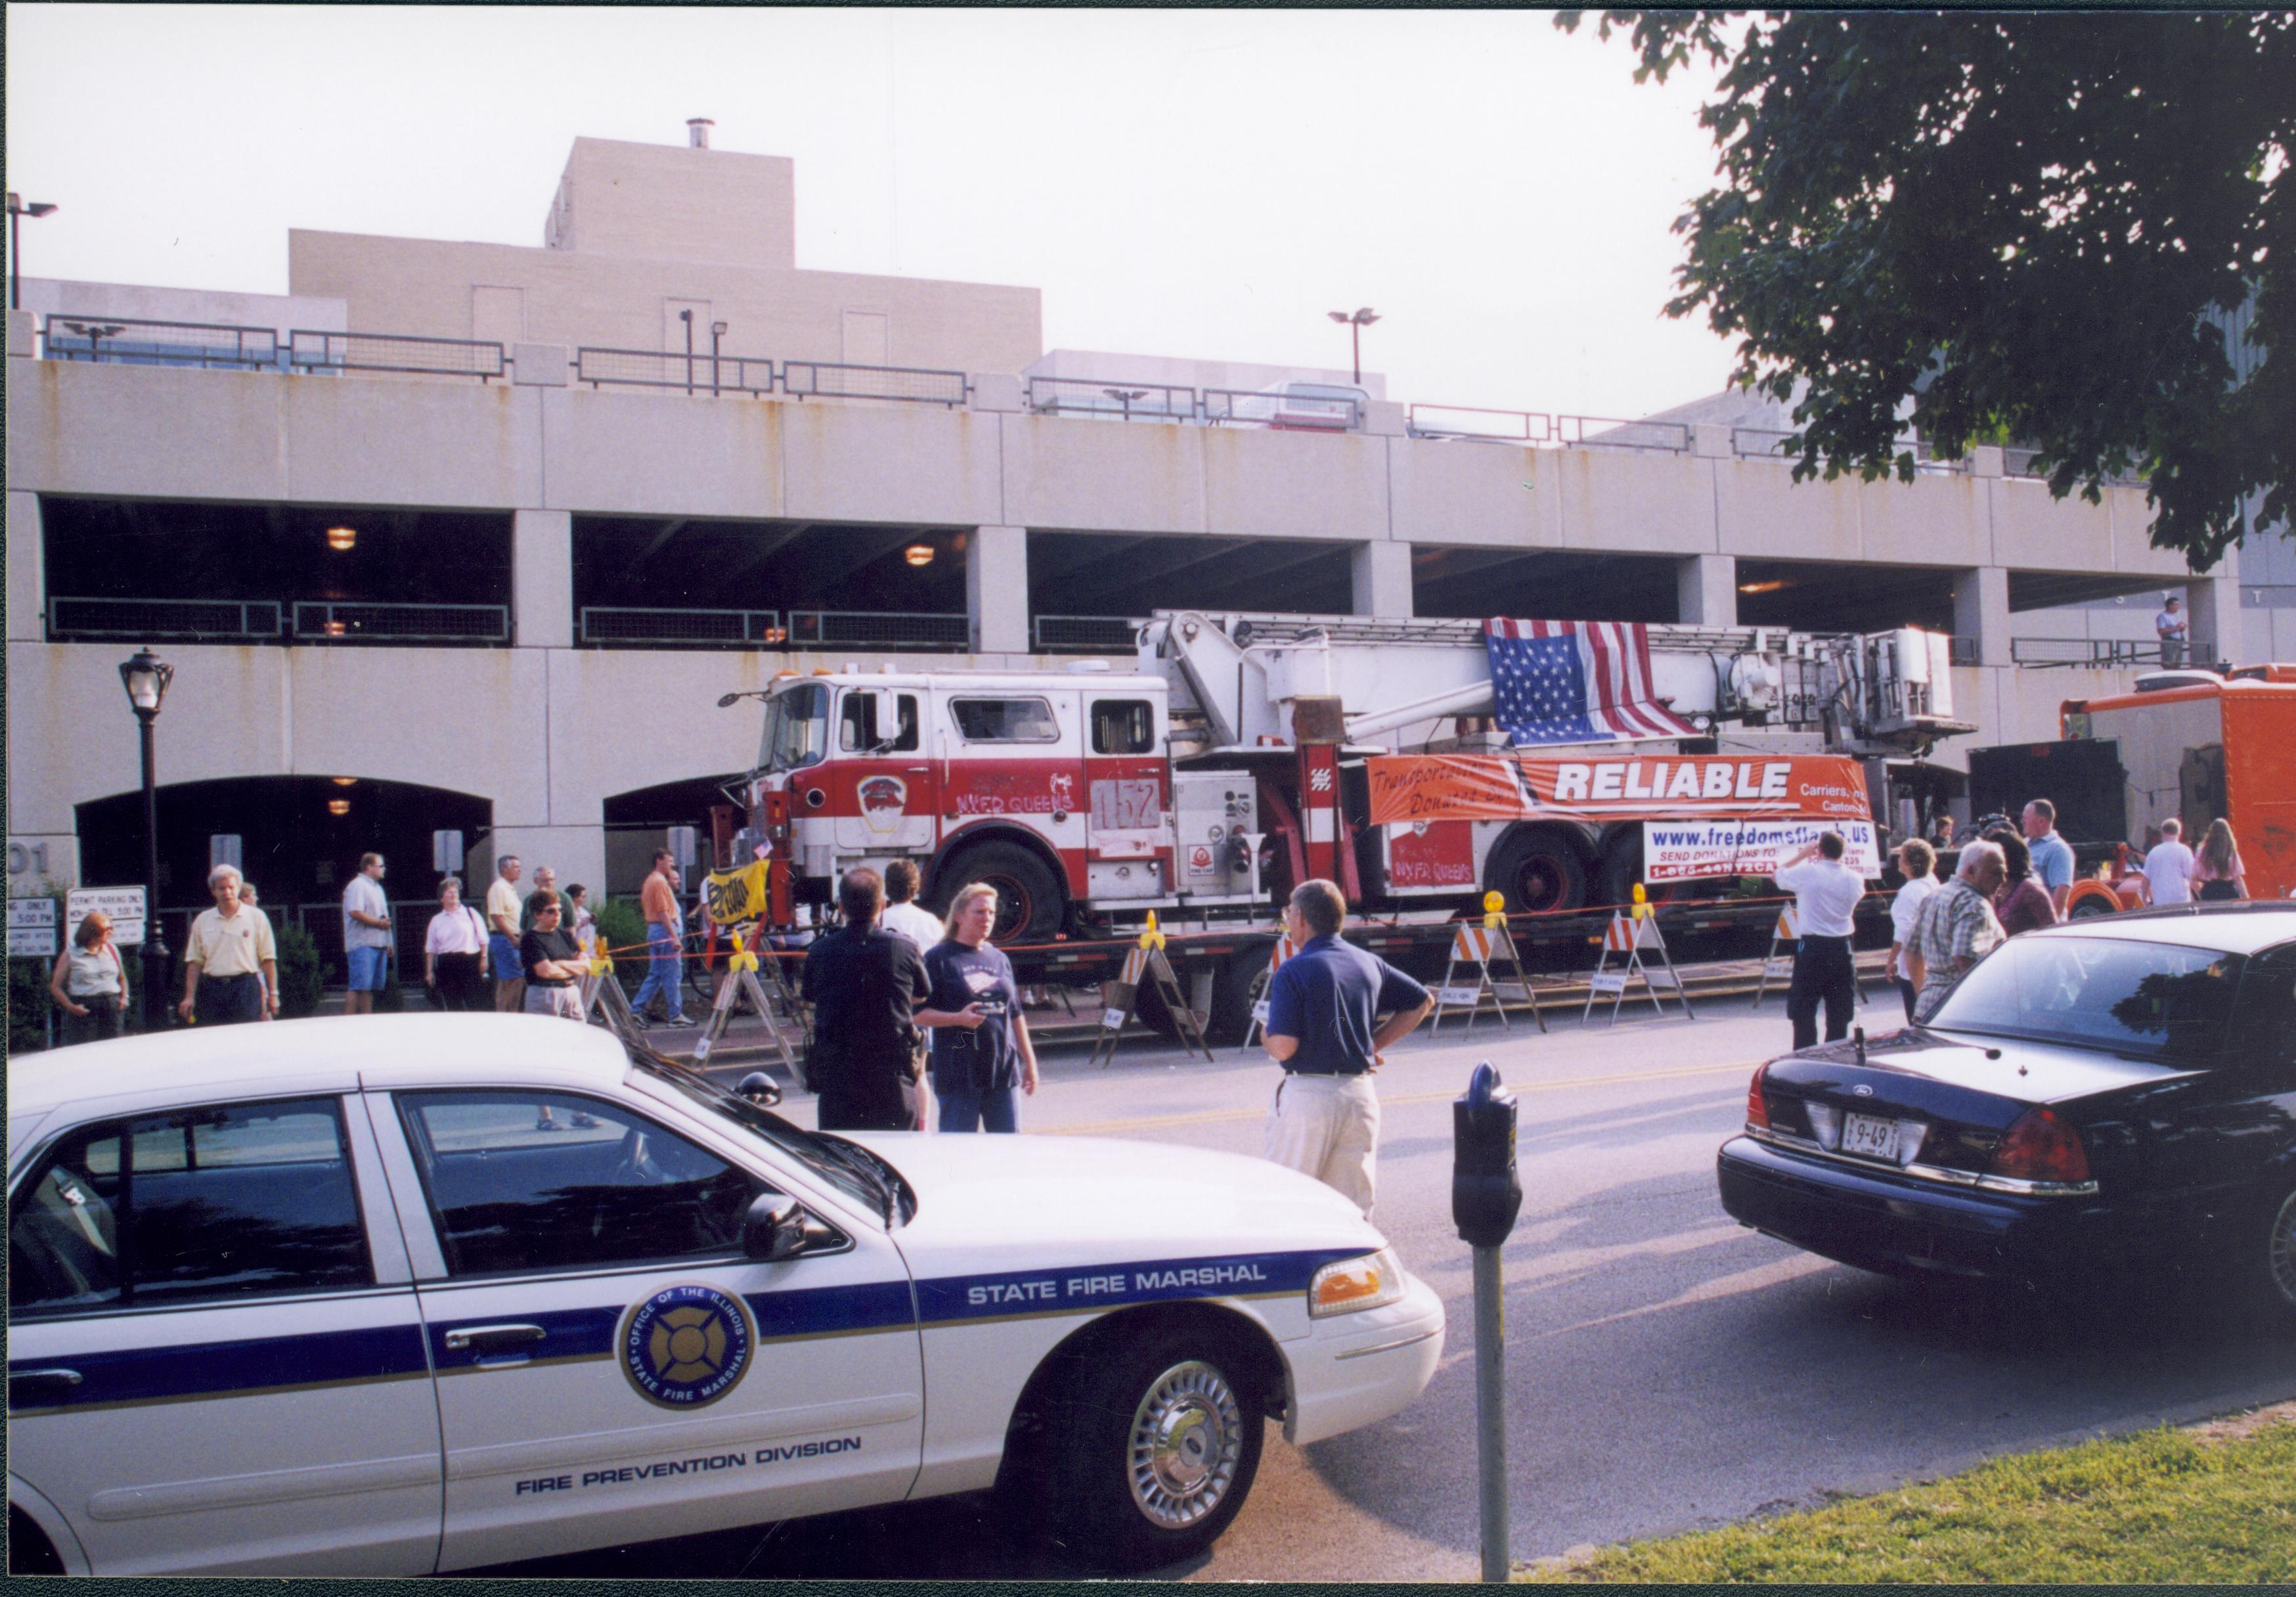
column 1635, row 932
column 1284, row 950
column 1777, row 967
column 740, row 982
column 1476, row 949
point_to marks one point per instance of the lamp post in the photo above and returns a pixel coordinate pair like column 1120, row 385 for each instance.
column 1354, row 325
column 687, row 317
column 716, row 332
column 17, row 212
column 147, row 678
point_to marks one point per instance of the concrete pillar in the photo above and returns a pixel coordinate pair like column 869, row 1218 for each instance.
column 542, row 578
column 1381, row 574
column 2213, row 604
column 1706, row 590
column 23, row 336
column 28, row 570
column 996, row 589
column 1980, row 611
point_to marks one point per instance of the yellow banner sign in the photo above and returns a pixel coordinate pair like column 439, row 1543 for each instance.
column 732, row 897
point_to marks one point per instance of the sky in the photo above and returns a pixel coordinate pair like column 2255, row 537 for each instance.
column 1203, row 184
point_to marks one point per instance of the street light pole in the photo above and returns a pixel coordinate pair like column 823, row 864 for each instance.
column 17, row 212
column 687, row 317
column 1354, row 325
column 145, row 678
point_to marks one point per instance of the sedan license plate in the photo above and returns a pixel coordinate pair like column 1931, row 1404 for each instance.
column 1869, row 1137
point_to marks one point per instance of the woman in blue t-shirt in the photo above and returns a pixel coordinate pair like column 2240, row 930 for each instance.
column 980, row 1047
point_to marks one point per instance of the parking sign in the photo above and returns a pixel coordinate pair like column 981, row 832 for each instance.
column 124, row 905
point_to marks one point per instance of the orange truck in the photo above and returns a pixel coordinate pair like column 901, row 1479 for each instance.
column 2197, row 746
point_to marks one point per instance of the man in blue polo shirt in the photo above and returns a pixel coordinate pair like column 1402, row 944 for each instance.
column 2052, row 856
column 1324, row 1028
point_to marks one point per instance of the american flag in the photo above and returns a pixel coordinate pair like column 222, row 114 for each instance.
column 1576, row 682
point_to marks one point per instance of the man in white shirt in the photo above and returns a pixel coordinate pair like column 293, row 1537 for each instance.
column 2169, row 868
column 1918, row 860
column 904, row 917
column 366, row 936
column 2172, row 629
column 1825, row 899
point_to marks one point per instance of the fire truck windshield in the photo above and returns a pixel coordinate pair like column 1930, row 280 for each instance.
column 797, row 727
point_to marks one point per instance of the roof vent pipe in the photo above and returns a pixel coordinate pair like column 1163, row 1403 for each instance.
column 697, row 132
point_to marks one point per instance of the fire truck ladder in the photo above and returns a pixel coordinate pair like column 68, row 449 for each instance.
column 1481, row 948
column 1145, row 963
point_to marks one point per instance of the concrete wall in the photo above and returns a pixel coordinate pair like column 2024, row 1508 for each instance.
column 434, row 289
column 666, row 203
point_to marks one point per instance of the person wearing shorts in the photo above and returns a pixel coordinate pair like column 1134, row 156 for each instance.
column 366, row 936
column 503, row 932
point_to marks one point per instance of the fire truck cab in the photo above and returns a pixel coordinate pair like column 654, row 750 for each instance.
column 1052, row 786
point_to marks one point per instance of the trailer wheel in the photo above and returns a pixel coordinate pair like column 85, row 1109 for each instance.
column 1031, row 904
column 1537, row 868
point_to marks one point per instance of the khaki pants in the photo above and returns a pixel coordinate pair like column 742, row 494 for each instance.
column 1326, row 1126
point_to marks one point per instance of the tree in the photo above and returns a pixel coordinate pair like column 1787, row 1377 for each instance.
column 2028, row 227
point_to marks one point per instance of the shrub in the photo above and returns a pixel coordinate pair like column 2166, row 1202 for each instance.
column 302, row 980
column 622, row 931
column 28, row 1004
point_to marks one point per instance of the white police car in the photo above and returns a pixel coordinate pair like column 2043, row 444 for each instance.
column 405, row 1293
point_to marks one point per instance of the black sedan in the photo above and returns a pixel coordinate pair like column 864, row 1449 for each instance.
column 2105, row 1093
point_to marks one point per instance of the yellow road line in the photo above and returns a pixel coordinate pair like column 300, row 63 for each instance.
column 1095, row 1128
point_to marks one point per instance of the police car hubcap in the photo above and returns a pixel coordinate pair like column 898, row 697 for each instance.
column 1188, row 1438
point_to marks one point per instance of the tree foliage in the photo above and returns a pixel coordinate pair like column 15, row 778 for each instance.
column 2024, row 227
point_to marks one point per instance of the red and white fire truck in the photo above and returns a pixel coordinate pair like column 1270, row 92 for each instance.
column 1244, row 753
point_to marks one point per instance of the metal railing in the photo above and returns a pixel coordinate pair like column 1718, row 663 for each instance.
column 310, row 352
column 2046, row 652
column 326, row 620
column 1086, row 634
column 1762, row 443
column 1281, row 412
column 889, row 628
column 722, row 628
column 158, row 343
column 1669, row 438
column 176, row 619
column 830, row 380
column 1472, row 423
column 665, row 368
column 1112, row 401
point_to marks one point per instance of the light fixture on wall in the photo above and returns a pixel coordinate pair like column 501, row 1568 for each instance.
column 918, row 554
column 339, row 806
column 343, row 781
column 341, row 538
column 1772, row 586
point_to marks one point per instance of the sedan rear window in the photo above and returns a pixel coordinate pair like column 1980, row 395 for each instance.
column 2148, row 998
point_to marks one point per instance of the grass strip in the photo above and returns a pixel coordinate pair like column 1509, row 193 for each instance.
column 2160, row 1506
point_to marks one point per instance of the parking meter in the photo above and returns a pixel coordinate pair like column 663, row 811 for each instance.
column 1486, row 1192
column 1486, row 1195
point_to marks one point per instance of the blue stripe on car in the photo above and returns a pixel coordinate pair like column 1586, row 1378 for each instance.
column 213, row 1369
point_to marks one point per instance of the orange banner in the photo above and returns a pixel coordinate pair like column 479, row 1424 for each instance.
column 1413, row 788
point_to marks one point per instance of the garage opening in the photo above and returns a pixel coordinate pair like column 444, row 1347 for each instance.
column 299, row 839
column 1821, row 597
column 150, row 571
column 1085, row 587
column 640, row 821
column 1462, row 581
column 682, row 582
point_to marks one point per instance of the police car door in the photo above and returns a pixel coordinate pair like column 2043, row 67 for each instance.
column 216, row 1363
column 613, row 1367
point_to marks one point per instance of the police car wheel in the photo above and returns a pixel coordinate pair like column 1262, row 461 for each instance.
column 2275, row 1283
column 1155, row 1450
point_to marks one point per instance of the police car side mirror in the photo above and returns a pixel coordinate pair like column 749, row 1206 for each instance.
column 774, row 1229
column 759, row 1089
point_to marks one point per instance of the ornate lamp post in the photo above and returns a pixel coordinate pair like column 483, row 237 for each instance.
column 147, row 678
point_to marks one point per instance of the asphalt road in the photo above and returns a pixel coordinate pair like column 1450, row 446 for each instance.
column 1666, row 1370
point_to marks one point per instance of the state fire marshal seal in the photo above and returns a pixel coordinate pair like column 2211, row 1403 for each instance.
column 686, row 1347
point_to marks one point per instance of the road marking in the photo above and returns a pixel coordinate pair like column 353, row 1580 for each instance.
column 1094, row 1128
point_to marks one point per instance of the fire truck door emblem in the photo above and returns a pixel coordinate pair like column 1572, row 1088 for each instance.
column 881, row 800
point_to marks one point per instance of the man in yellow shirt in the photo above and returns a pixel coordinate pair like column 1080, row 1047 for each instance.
column 503, row 933
column 231, row 964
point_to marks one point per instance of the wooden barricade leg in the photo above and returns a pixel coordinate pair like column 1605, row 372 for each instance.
column 1783, row 930
column 603, row 996
column 1595, row 981
column 1184, row 1018
column 1115, row 1017
column 1256, row 1002
column 1444, row 992
column 1505, row 940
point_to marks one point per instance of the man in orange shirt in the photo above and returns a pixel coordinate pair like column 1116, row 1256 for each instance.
column 665, row 932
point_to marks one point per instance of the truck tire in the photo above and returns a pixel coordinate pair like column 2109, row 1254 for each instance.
column 1622, row 868
column 1537, row 868
column 1231, row 1004
column 1149, row 1452
column 1031, row 904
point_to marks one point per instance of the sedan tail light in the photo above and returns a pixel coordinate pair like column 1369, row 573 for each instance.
column 1758, row 1112
column 2041, row 1148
